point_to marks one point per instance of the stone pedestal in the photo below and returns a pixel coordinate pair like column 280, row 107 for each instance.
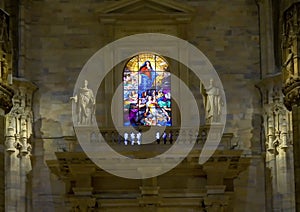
column 6, row 94
column 18, row 146
column 278, row 143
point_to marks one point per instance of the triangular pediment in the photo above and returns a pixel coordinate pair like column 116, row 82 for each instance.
column 139, row 8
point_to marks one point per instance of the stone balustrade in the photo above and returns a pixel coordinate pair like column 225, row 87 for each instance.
column 115, row 138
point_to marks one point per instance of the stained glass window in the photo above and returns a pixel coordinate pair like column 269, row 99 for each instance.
column 147, row 91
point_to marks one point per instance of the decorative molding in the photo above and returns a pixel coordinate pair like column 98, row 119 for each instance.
column 276, row 117
column 127, row 17
column 277, row 128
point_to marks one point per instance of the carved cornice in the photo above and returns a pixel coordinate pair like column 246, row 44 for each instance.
column 133, row 10
column 6, row 95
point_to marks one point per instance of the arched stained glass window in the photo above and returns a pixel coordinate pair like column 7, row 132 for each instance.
column 147, row 91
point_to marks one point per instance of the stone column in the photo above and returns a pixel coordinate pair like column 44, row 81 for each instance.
column 109, row 78
column 292, row 100
column 278, row 143
column 6, row 93
column 266, row 37
column 18, row 146
column 2, row 185
column 291, row 82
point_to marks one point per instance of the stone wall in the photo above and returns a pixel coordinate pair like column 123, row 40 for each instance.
column 60, row 36
column 228, row 34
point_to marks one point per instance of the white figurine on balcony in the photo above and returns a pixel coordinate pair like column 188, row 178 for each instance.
column 125, row 138
column 132, row 136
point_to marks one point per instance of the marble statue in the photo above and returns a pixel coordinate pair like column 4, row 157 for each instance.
column 85, row 104
column 213, row 103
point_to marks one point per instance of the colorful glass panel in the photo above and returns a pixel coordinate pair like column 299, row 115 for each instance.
column 147, row 91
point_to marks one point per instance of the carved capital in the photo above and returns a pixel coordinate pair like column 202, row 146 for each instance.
column 291, row 90
column 6, row 95
column 292, row 98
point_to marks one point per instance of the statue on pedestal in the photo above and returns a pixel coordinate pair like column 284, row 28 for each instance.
column 212, row 102
column 85, row 105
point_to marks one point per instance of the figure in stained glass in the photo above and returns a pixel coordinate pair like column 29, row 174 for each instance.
column 147, row 87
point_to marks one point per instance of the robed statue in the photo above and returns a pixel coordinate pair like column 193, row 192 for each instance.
column 85, row 105
column 212, row 102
